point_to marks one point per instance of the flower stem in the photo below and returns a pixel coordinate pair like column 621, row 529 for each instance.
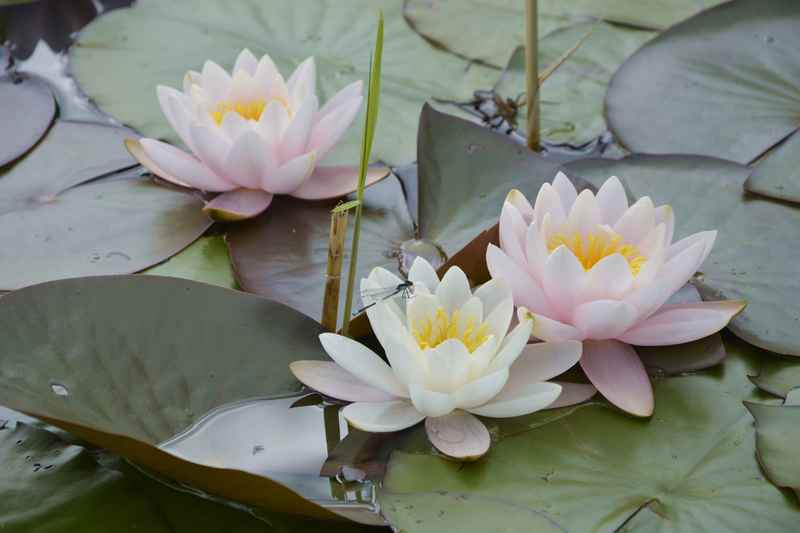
column 373, row 97
column 333, row 275
column 532, row 73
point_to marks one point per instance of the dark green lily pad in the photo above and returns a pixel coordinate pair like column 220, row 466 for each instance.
column 778, row 175
column 27, row 107
column 693, row 463
column 777, row 435
column 725, row 83
column 118, row 65
column 465, row 173
column 490, row 30
column 205, row 260
column 77, row 490
column 57, row 221
column 126, row 362
column 777, row 376
column 754, row 257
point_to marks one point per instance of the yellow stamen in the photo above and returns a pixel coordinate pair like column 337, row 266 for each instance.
column 592, row 247
column 432, row 331
column 247, row 110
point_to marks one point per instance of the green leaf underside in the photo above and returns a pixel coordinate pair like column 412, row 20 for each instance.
column 689, row 468
column 76, row 490
column 142, row 358
column 752, row 258
column 206, row 260
column 119, row 66
column 56, row 221
column 687, row 91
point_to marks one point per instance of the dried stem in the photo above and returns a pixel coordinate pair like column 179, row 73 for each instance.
column 333, row 275
column 532, row 73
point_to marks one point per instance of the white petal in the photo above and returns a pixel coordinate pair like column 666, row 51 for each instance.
column 175, row 107
column 216, row 82
column 612, row 200
column 470, row 312
column 637, row 221
column 233, row 125
column 422, row 272
column 191, row 78
column 518, row 200
column 449, row 366
column 478, row 392
column 267, row 75
column 482, row 357
column 401, row 349
column 246, row 62
column 363, row 363
column 290, row 175
column 493, row 293
column 573, row 393
column 542, row 361
column 295, row 138
column 604, row 319
column 512, row 346
column 666, row 215
column 550, row 330
column 454, row 290
column 382, row 417
column 273, row 122
column 498, row 321
column 431, row 403
column 566, row 191
column 248, row 161
column 332, row 380
column 527, row 291
column 420, row 309
column 302, row 83
column 518, row 399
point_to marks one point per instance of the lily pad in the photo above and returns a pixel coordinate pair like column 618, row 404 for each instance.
column 118, row 65
column 77, row 490
column 777, row 376
column 28, row 108
column 205, row 260
column 465, row 173
column 490, row 30
column 777, row 435
column 778, row 174
column 753, row 258
column 725, row 83
column 693, row 463
column 126, row 362
column 58, row 221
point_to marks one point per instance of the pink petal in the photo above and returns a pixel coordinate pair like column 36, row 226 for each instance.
column 246, row 62
column 573, row 393
column 458, row 435
column 536, row 252
column 548, row 201
column 291, row 175
column 666, row 215
column 211, row 147
column 612, row 201
column 707, row 237
column 585, row 213
column 637, row 221
column 518, row 200
column 302, row 83
column 216, row 81
column 332, row 380
column 174, row 106
column 542, row 361
column 525, row 289
column 550, row 330
column 267, row 76
column 513, row 233
column 330, row 128
column 349, row 93
column 240, row 204
column 604, row 319
column 680, row 323
column 249, row 160
column 336, row 181
column 566, row 191
column 565, row 282
column 618, row 373
column 296, row 137
column 610, row 277
column 175, row 165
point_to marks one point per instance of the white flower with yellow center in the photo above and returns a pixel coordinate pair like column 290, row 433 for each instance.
column 591, row 268
column 253, row 135
column 451, row 356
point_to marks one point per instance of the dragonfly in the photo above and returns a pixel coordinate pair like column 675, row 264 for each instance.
column 405, row 290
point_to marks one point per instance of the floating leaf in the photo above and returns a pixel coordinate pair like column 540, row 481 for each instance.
column 778, row 175
column 206, row 260
column 593, row 470
column 753, row 258
column 465, row 173
column 777, row 435
column 725, row 83
column 126, row 362
column 119, row 65
column 490, row 30
column 777, row 376
column 27, row 107
column 57, row 221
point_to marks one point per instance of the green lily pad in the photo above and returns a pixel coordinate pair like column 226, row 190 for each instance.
column 725, row 83
column 127, row 362
column 58, row 221
column 753, row 258
column 206, row 260
column 490, row 30
column 777, row 435
column 465, row 173
column 778, row 175
column 693, row 463
column 777, row 376
column 118, row 65
column 28, row 108
column 77, row 490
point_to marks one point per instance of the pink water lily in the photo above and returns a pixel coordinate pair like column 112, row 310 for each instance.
column 253, row 135
column 452, row 356
column 594, row 269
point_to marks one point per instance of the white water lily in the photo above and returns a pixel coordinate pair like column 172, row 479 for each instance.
column 253, row 135
column 451, row 356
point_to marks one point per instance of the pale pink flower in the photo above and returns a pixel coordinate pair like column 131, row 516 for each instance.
column 253, row 135
column 593, row 269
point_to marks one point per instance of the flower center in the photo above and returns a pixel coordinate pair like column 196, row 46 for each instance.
column 247, row 110
column 432, row 331
column 592, row 247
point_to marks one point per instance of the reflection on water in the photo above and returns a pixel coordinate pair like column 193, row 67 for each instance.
column 269, row 437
